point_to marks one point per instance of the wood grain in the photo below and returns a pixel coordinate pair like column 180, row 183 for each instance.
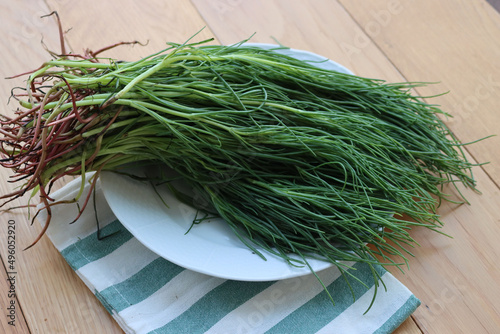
column 448, row 41
column 152, row 23
column 455, row 278
column 323, row 27
column 53, row 298
column 408, row 327
column 48, row 291
column 13, row 321
column 462, row 58
column 320, row 26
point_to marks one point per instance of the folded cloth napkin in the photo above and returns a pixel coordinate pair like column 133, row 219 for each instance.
column 148, row 294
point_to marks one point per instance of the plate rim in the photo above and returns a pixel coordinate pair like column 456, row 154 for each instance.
column 316, row 265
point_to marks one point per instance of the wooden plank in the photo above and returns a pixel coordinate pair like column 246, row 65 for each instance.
column 294, row 24
column 408, row 327
column 320, row 26
column 13, row 321
column 49, row 293
column 427, row 41
column 453, row 277
column 53, row 298
column 457, row 279
column 152, row 23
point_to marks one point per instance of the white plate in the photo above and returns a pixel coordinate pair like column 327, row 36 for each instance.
column 314, row 59
column 210, row 247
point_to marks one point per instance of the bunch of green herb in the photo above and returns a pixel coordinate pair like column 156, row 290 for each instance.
column 296, row 159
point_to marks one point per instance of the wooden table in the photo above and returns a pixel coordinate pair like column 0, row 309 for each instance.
column 452, row 42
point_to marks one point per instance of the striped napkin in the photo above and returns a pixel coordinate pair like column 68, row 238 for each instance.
column 147, row 294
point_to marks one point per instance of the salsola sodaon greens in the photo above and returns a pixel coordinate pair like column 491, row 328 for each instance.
column 297, row 159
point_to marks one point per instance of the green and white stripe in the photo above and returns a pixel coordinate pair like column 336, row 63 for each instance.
column 148, row 294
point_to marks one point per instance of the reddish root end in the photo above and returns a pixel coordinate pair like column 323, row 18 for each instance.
column 33, row 144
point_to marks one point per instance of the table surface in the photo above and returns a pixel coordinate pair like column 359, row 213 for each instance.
column 454, row 43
